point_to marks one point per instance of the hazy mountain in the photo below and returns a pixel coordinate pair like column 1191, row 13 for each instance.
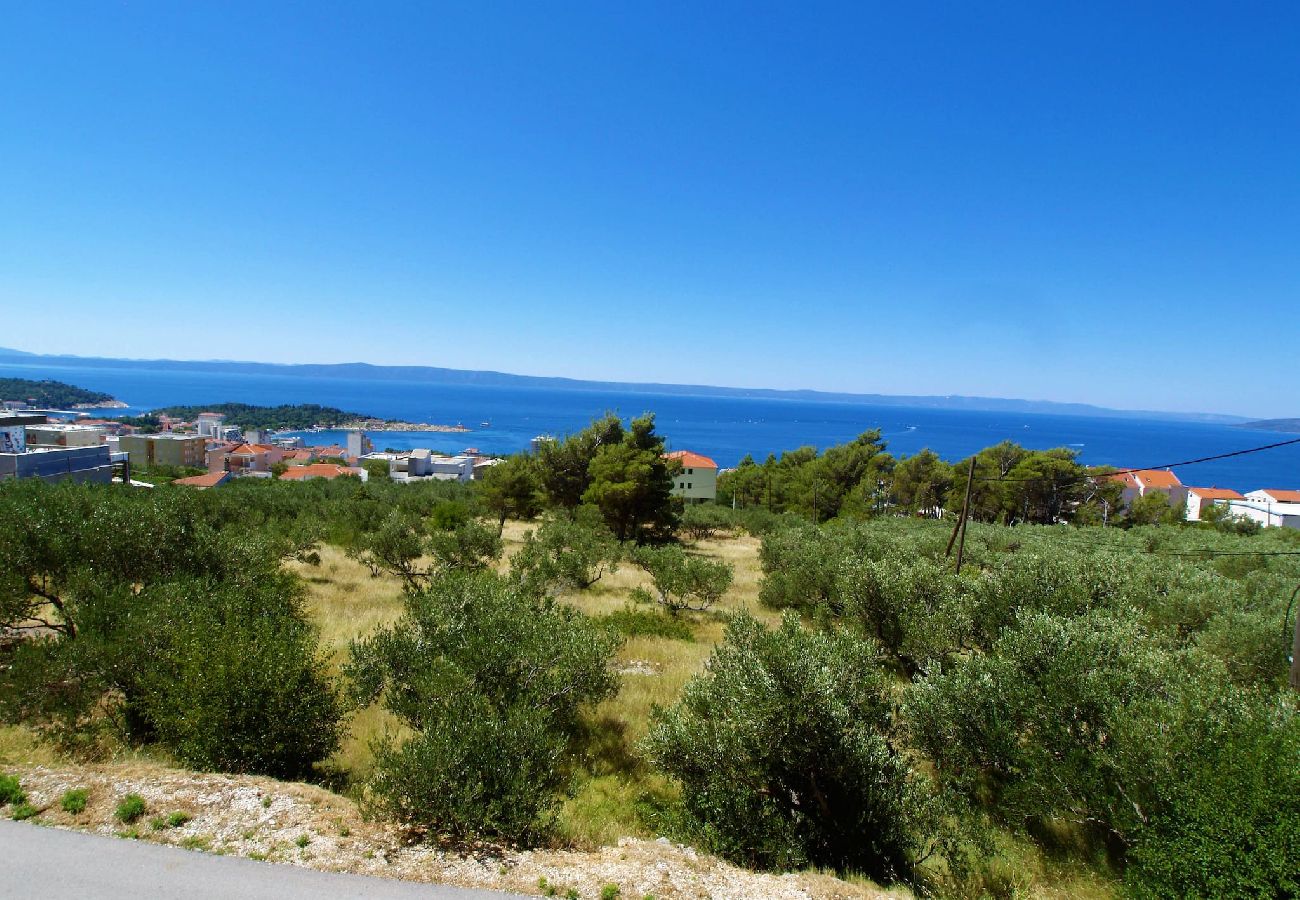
column 436, row 375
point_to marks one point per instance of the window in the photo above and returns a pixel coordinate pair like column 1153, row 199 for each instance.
column 688, row 484
column 690, row 471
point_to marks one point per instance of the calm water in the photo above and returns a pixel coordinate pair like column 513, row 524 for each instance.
column 725, row 428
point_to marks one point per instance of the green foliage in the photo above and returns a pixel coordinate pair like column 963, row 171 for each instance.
column 449, row 539
column 22, row 811
column 49, row 394
column 285, row 417
column 130, row 808
column 683, row 581
column 11, row 791
column 566, row 552
column 632, row 622
column 490, row 681
column 163, row 628
column 783, row 754
column 701, row 521
column 234, row 682
column 375, row 468
column 74, row 801
column 631, row 484
column 1229, row 823
column 511, row 489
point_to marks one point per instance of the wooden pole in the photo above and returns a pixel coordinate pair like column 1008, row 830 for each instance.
column 965, row 507
column 1295, row 647
column 961, row 544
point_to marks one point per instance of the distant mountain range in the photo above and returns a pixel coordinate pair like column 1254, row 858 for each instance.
column 435, row 375
column 1290, row 426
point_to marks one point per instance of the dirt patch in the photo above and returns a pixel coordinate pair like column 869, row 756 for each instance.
column 308, row 826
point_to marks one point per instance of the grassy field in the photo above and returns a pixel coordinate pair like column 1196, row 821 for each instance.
column 348, row 603
column 613, row 786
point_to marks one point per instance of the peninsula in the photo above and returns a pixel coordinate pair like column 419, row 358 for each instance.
column 50, row 394
column 290, row 417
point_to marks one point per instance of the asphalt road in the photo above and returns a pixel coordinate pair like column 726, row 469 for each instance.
column 54, row 864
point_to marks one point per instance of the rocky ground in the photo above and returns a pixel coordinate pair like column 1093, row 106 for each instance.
column 304, row 825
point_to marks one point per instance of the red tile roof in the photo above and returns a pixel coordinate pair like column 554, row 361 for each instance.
column 1149, row 478
column 212, row 479
column 1282, row 496
column 318, row 470
column 1215, row 493
column 691, row 460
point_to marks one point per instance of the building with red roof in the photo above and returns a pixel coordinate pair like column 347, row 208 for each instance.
column 203, row 482
column 696, row 480
column 322, row 470
column 1200, row 498
column 1140, row 482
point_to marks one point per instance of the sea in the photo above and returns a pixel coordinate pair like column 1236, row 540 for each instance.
column 505, row 419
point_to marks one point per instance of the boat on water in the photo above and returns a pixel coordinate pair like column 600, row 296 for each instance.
column 484, row 424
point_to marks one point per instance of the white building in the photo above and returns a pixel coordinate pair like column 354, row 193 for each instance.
column 1141, row 482
column 697, row 481
column 209, row 424
column 1269, row 507
column 1199, row 499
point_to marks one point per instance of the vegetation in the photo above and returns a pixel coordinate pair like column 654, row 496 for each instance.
column 783, row 752
column 490, row 681
column 49, row 394
column 73, row 801
column 130, row 808
column 11, row 790
column 285, row 417
column 1102, row 707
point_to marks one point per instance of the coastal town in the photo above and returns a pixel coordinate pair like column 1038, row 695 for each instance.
column 55, row 445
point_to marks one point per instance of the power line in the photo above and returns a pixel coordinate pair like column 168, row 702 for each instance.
column 1185, row 462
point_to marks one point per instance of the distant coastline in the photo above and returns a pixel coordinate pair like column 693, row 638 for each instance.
column 1285, row 426
column 444, row 376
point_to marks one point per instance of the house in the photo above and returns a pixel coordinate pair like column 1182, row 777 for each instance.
column 1140, row 482
column 203, row 482
column 322, row 470
column 697, row 482
column 298, row 457
column 60, row 435
column 19, row 460
column 165, row 449
column 246, row 458
column 1269, row 507
column 1199, row 499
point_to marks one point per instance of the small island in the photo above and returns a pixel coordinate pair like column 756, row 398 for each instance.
column 50, row 394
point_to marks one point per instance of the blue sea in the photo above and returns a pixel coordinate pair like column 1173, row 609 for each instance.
column 725, row 428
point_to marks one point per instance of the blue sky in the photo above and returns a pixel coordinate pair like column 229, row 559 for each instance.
column 1083, row 202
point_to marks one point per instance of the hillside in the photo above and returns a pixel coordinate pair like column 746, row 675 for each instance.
column 277, row 418
column 1288, row 426
column 50, row 393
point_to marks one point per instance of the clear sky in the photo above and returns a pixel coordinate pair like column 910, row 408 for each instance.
column 1086, row 202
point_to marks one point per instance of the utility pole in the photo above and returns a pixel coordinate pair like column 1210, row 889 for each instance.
column 965, row 508
column 1295, row 645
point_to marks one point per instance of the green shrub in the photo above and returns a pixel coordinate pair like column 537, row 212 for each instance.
column 610, row 892
column 632, row 622
column 74, row 801
column 701, row 521
column 490, row 681
column 177, row 819
column 235, row 683
column 11, row 791
column 782, row 752
column 566, row 553
column 1229, row 821
column 683, row 581
column 23, row 811
column 131, row 807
